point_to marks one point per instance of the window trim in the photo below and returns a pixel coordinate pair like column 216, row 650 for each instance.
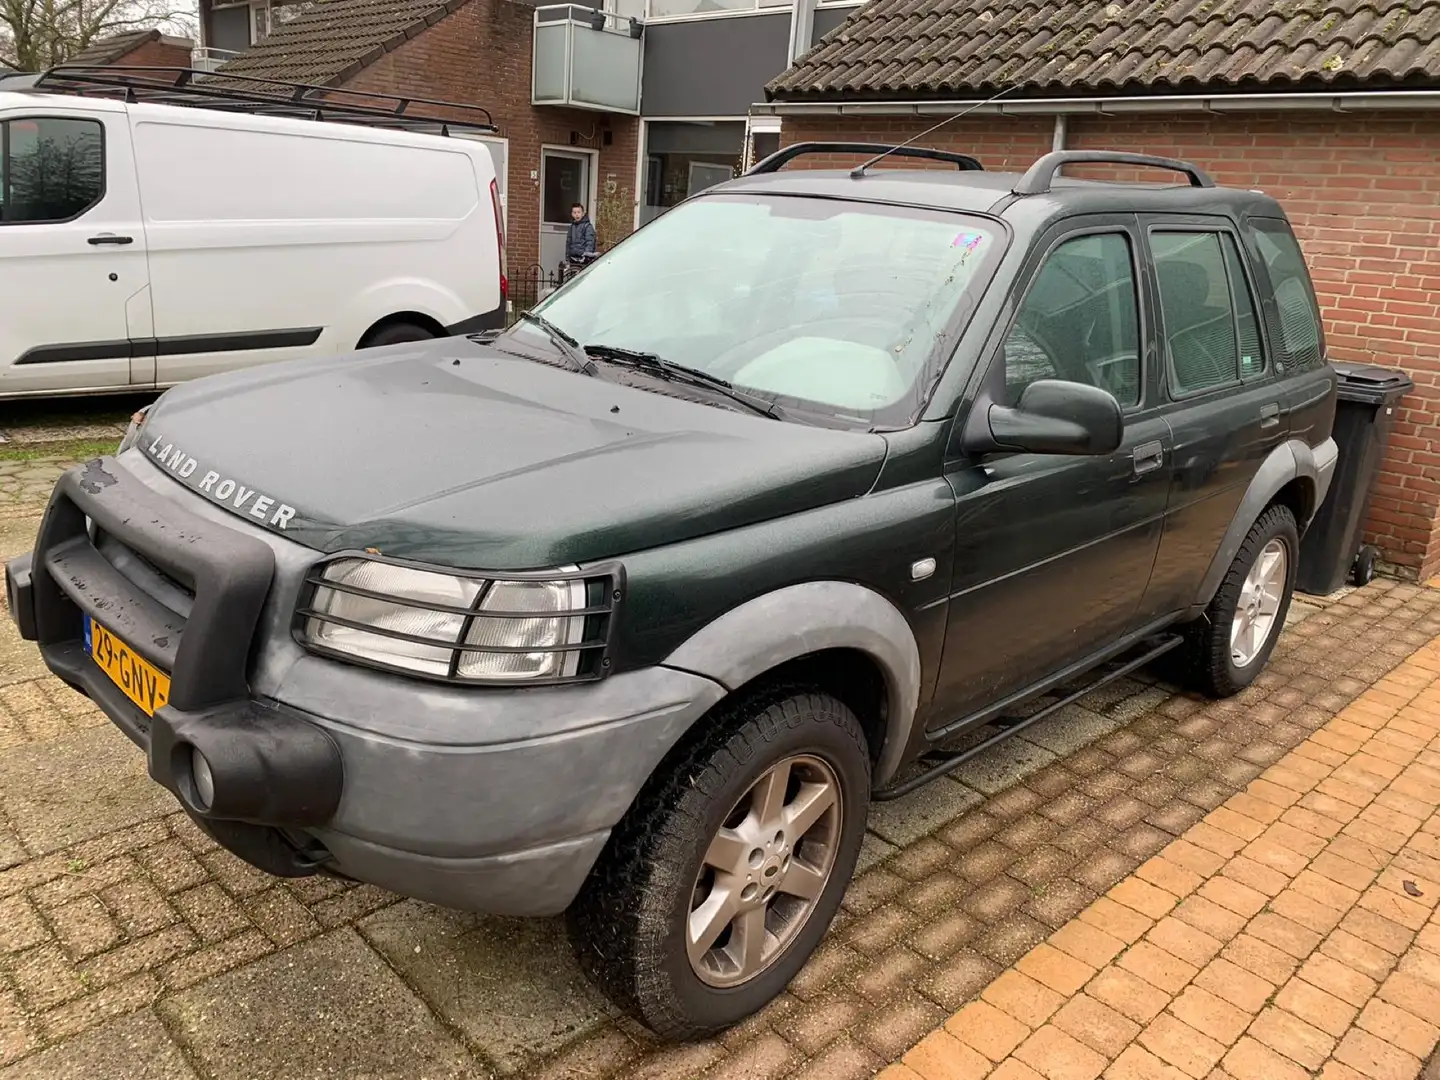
column 1171, row 383
column 1252, row 227
column 1137, row 278
column 1248, row 274
column 6, row 169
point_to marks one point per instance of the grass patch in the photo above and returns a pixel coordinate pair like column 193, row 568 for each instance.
column 76, row 450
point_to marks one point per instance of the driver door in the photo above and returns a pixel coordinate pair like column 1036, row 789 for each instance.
column 1053, row 553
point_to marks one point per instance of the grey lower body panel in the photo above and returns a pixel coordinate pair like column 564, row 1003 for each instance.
column 1327, row 454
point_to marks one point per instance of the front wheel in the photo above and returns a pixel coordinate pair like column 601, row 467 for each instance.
column 719, row 884
column 1231, row 643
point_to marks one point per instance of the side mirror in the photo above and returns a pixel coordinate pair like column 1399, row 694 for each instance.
column 1056, row 417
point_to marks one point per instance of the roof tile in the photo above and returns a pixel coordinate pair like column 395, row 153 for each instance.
column 975, row 48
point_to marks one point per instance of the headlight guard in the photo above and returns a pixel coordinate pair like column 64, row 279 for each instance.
column 463, row 627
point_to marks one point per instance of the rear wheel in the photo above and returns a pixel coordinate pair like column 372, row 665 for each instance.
column 395, row 334
column 721, row 881
column 1230, row 644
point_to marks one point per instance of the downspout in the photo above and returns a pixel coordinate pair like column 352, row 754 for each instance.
column 1057, row 141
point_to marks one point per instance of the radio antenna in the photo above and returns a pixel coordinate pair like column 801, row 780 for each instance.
column 859, row 170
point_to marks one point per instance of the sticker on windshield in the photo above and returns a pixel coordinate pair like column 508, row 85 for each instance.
column 967, row 240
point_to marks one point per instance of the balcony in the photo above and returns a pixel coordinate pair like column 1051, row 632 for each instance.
column 206, row 59
column 586, row 59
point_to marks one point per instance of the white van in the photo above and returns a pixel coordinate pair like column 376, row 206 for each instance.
column 143, row 244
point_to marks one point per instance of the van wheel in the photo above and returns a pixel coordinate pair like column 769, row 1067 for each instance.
column 720, row 882
column 1230, row 644
column 394, row 334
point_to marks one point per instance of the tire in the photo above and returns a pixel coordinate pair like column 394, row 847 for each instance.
column 1363, row 572
column 1208, row 663
column 395, row 334
column 630, row 924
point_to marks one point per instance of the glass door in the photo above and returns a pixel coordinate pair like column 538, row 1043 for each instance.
column 564, row 181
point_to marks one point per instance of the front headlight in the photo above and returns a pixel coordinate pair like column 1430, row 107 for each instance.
column 462, row 628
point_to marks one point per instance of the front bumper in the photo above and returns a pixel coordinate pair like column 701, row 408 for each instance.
column 485, row 800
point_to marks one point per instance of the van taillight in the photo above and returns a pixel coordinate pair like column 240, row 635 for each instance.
column 500, row 239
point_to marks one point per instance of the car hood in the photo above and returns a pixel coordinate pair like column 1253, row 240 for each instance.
column 454, row 453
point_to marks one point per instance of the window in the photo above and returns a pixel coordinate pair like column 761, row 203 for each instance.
column 1080, row 320
column 661, row 9
column 832, row 307
column 50, row 169
column 1299, row 332
column 1210, row 326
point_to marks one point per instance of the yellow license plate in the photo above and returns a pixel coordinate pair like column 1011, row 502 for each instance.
column 143, row 683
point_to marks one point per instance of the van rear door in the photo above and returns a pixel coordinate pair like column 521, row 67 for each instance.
column 73, row 270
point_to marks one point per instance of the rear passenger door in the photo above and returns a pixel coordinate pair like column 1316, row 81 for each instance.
column 1224, row 404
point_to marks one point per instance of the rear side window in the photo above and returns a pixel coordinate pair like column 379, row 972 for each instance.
column 1299, row 332
column 51, row 169
column 1211, row 330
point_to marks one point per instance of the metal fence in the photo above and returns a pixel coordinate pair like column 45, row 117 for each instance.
column 528, row 288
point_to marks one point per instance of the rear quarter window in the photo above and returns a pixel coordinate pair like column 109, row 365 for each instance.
column 1295, row 322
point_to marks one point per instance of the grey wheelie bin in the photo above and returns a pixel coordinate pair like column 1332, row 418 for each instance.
column 1332, row 553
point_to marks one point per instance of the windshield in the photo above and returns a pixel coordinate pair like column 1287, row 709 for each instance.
column 832, row 306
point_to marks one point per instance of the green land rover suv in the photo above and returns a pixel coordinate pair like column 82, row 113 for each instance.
column 631, row 610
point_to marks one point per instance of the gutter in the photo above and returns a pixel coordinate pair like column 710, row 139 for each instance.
column 1214, row 104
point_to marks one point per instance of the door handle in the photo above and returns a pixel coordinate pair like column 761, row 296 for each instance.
column 1149, row 457
column 1269, row 417
column 110, row 238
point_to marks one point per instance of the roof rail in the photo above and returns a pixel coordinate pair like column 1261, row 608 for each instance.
column 780, row 158
column 1038, row 178
column 258, row 96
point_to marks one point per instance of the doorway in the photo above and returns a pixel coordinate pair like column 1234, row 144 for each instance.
column 566, row 177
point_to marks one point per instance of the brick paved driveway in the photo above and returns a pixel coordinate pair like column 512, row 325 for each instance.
column 130, row 946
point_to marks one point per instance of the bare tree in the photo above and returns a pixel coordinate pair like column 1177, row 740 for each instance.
column 36, row 34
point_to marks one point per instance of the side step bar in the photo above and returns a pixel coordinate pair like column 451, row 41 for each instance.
column 951, row 763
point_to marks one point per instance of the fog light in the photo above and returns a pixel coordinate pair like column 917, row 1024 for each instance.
column 202, row 778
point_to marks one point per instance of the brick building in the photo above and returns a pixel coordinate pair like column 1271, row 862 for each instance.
column 138, row 48
column 1330, row 106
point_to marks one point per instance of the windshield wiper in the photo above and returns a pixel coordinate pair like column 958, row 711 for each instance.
column 666, row 369
column 567, row 346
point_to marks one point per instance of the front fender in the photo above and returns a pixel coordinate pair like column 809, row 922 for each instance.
column 800, row 620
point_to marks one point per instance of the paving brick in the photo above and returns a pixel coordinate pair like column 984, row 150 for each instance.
column 1240, row 899
column 1297, row 907
column 1376, row 1058
column 842, row 1060
column 1355, row 953
column 1210, row 1015
column 1269, row 853
column 1137, row 1063
column 211, row 912
column 1335, row 978
column 1263, row 879
column 20, row 925
column 886, row 973
column 1148, row 899
column 1058, row 1056
column 1177, row 1043
column 898, row 1024
column 987, row 1029
column 1158, row 967
column 197, row 966
column 878, row 931
column 1087, row 943
column 1241, row 988
column 1330, row 865
column 1396, row 908
column 762, row 1058
column 1289, row 1035
column 1014, row 1069
column 1128, row 994
column 1117, row 920
column 960, row 978
column 1378, row 930
column 1023, row 998
column 1196, row 859
column 1252, row 1060
column 1058, row 970
column 940, row 1056
column 943, row 936
column 1316, row 1007
column 1214, row 840
column 1008, row 940
column 94, row 1009
column 139, row 955
column 1325, row 891
column 1414, row 995
column 1400, row 1028
column 817, row 1023
column 1184, row 941
column 171, row 866
column 1096, row 1025
column 1258, row 958
column 1220, row 923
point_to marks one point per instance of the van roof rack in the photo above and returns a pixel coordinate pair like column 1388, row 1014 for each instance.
column 250, row 94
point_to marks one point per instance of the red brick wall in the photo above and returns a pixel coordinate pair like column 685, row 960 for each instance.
column 481, row 55
column 157, row 54
column 1364, row 194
